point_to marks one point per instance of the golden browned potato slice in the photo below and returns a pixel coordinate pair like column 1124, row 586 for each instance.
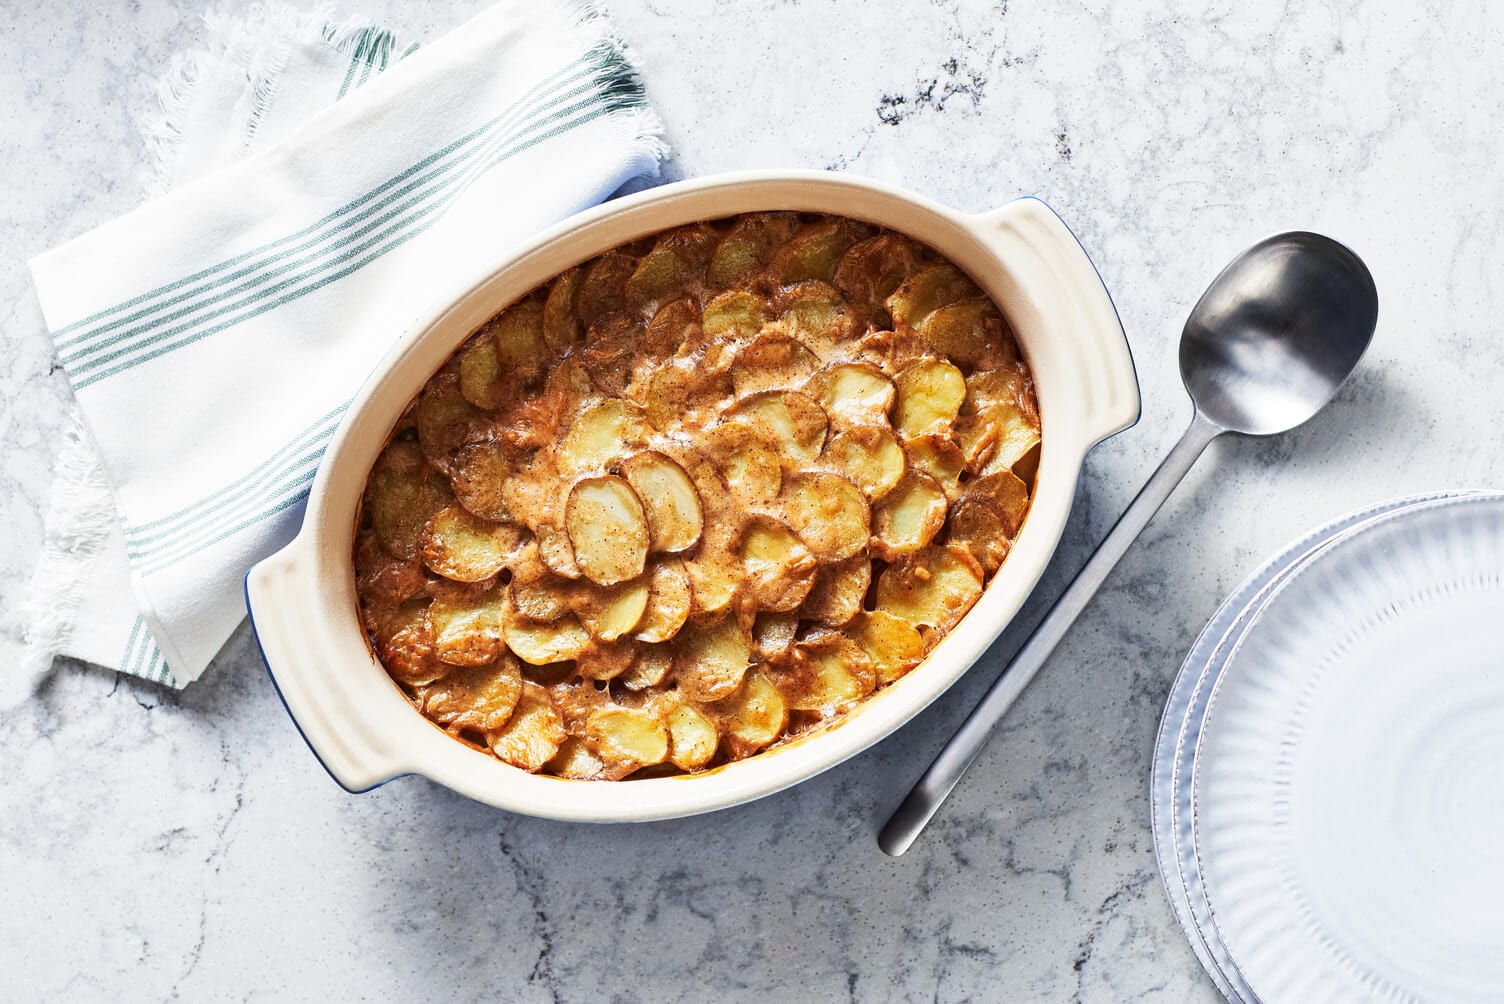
column 610, row 353
column 446, row 421
column 734, row 315
column 816, row 314
column 555, row 550
column 479, row 474
column 481, row 380
column 576, row 761
column 839, row 591
column 466, row 548
column 833, row 673
column 868, row 456
column 793, row 421
column 675, row 325
column 938, row 457
column 692, row 738
column 934, row 586
column 711, row 659
column 779, row 568
column 892, row 643
column 976, row 524
column 909, row 516
column 649, row 668
column 537, row 593
column 677, row 258
column 930, row 392
column 405, row 645
column 402, row 495
column 533, row 735
column 855, row 392
column 813, row 252
column 927, row 290
column 715, row 576
column 771, row 361
column 626, row 739
column 745, row 456
column 561, row 327
column 1017, row 438
column 602, row 660
column 603, row 290
column 828, row 513
column 669, row 501
column 872, row 269
column 520, row 345
column 540, row 643
column 752, row 717
column 465, row 623
column 985, row 389
column 1005, row 491
column 382, row 580
column 609, row 612
column 774, row 633
column 608, row 530
column 748, row 245
column 480, row 697
column 969, row 332
column 603, row 432
column 669, row 602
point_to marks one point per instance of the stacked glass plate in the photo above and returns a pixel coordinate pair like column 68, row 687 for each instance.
column 1328, row 782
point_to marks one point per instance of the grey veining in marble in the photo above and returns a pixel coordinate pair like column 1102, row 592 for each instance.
column 157, row 844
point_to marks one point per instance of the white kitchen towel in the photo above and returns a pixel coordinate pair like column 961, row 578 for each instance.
column 214, row 336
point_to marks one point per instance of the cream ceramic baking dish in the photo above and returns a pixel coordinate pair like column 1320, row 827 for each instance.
column 302, row 599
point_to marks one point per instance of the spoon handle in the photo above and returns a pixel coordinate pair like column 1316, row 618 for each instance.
column 932, row 788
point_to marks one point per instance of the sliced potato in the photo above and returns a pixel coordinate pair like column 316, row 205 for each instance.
column 892, row 643
column 610, row 353
column 561, row 326
column 745, row 456
column 479, row 474
column 404, row 643
column 465, row 624
column 602, row 660
column 541, row 643
column 748, row 245
column 576, row 761
column 603, row 288
column 402, row 495
column 909, row 516
column 603, row 432
column 752, row 717
column 977, row 525
column 669, row 501
column 538, row 594
column 930, row 393
column 832, row 673
column 627, row 739
column 446, row 421
column 856, row 392
column 383, row 580
column 927, row 290
column 938, row 457
column 609, row 612
column 555, row 550
column 872, row 269
column 466, row 548
column 813, row 252
column 816, row 314
column 675, row 325
column 780, row 570
column 969, row 332
column 481, row 379
column 793, row 421
column 608, row 530
column 734, row 315
column 668, row 603
column 1016, row 438
column 772, row 361
column 869, row 457
column 828, row 513
column 677, row 258
column 773, row 634
column 839, row 590
column 480, row 697
column 520, row 345
column 649, row 668
column 934, row 586
column 692, row 738
column 989, row 388
column 1007, row 493
column 712, row 658
column 533, row 734
column 715, row 576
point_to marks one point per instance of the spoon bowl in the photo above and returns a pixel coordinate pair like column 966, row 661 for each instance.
column 1277, row 332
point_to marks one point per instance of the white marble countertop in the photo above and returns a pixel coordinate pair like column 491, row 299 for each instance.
column 158, row 844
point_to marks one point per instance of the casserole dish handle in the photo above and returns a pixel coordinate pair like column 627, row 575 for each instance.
column 1072, row 301
column 287, row 605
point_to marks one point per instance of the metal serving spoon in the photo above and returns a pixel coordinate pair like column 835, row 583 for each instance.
column 1265, row 348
